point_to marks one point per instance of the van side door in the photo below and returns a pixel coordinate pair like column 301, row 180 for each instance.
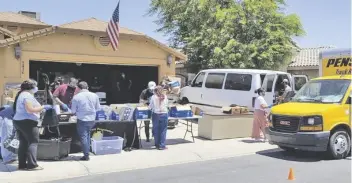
column 298, row 81
column 269, row 88
column 213, row 88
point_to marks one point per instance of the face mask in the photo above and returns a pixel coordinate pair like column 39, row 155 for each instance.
column 34, row 90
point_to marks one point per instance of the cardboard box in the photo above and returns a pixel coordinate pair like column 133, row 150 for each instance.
column 196, row 110
column 231, row 110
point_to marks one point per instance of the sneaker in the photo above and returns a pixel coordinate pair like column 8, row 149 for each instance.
column 148, row 140
column 162, row 148
column 35, row 168
column 85, row 158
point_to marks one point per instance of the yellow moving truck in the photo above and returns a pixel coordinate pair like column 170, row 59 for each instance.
column 318, row 118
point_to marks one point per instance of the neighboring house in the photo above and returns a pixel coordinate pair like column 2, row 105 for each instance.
column 306, row 62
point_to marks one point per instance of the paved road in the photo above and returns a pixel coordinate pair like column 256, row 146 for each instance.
column 264, row 167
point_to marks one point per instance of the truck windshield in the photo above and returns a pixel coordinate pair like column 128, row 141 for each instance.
column 322, row 91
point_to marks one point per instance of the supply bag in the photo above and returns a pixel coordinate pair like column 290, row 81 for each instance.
column 10, row 143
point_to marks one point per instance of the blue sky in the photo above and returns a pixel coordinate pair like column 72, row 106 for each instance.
column 327, row 22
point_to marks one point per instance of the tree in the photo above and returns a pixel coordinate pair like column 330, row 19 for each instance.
column 229, row 33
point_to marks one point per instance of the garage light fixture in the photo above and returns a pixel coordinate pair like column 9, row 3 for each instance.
column 18, row 51
column 169, row 60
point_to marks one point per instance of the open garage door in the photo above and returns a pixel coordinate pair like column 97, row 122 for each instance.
column 121, row 83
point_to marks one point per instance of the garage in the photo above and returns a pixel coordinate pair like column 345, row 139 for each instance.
column 81, row 49
column 101, row 78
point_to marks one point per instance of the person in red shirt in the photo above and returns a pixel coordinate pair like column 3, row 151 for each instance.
column 64, row 93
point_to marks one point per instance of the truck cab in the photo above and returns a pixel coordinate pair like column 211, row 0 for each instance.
column 318, row 116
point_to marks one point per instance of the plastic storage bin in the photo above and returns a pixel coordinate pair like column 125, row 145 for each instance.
column 107, row 145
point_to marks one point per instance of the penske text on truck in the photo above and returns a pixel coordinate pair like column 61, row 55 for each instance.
column 318, row 116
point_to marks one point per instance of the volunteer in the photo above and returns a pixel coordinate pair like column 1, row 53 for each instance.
column 287, row 89
column 260, row 116
column 27, row 112
column 85, row 105
column 64, row 93
column 145, row 98
column 55, row 84
column 159, row 107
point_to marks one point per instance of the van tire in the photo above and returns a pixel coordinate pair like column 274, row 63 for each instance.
column 338, row 138
column 184, row 101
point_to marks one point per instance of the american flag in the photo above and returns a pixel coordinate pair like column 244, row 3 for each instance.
column 113, row 29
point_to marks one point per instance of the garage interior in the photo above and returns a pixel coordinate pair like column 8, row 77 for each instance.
column 118, row 90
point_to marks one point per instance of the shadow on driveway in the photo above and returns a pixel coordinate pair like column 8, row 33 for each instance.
column 297, row 156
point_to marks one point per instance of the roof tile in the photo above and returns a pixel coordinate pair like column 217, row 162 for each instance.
column 93, row 24
column 18, row 18
column 308, row 57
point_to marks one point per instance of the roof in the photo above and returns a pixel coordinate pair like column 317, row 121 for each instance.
column 93, row 24
column 244, row 71
column 7, row 32
column 308, row 57
column 17, row 18
column 334, row 77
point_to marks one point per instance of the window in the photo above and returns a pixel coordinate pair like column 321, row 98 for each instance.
column 198, row 82
column 215, row 80
column 299, row 82
column 242, row 82
column 269, row 83
column 262, row 76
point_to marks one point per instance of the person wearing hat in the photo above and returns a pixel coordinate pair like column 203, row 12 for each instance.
column 287, row 89
column 145, row 99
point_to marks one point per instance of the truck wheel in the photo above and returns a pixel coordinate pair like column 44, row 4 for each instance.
column 339, row 144
column 288, row 149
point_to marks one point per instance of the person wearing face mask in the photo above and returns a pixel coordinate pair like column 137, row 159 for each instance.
column 27, row 112
column 64, row 93
column 144, row 98
column 260, row 115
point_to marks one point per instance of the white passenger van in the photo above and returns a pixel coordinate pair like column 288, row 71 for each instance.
column 224, row 87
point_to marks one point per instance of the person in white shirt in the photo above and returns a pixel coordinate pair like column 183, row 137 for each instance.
column 159, row 107
column 260, row 116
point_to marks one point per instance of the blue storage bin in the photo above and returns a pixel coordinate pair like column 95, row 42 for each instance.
column 174, row 84
column 142, row 113
column 180, row 112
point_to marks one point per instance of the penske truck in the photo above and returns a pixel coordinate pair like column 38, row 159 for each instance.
column 318, row 118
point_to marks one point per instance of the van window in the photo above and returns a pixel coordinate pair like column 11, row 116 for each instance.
column 262, row 76
column 270, row 83
column 242, row 82
column 215, row 80
column 198, row 82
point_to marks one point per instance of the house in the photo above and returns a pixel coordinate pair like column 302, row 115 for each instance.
column 30, row 47
column 306, row 62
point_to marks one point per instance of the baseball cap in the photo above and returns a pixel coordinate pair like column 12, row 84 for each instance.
column 151, row 85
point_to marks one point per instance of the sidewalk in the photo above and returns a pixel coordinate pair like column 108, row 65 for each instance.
column 179, row 151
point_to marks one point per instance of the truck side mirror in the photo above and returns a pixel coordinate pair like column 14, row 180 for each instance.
column 348, row 100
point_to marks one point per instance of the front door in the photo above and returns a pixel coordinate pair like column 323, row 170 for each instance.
column 194, row 92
